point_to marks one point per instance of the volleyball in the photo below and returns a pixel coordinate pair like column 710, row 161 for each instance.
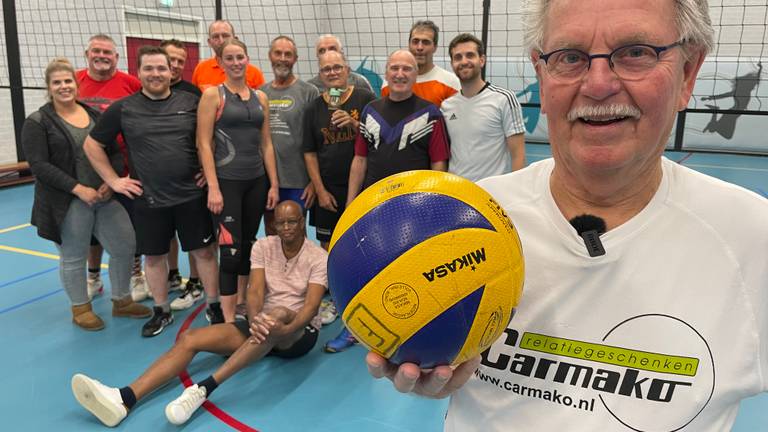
column 426, row 267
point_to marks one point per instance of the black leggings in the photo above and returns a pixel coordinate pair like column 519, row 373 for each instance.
column 237, row 224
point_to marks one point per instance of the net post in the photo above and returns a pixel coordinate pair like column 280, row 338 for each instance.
column 14, row 73
column 484, row 31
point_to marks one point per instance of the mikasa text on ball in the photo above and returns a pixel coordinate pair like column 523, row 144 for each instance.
column 426, row 267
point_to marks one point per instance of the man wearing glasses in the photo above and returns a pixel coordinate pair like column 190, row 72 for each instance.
column 666, row 329
column 287, row 281
column 330, row 127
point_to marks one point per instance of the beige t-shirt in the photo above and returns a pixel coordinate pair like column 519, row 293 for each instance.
column 287, row 280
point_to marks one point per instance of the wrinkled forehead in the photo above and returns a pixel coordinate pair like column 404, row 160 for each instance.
column 578, row 23
column 101, row 44
column 402, row 59
column 328, row 44
column 219, row 28
column 331, row 58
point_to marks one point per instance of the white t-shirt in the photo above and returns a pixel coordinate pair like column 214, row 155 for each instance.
column 287, row 280
column 479, row 127
column 667, row 331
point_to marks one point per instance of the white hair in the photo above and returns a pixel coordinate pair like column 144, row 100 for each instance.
column 329, row 36
column 691, row 17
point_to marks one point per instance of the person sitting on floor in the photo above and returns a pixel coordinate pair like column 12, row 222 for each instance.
column 287, row 281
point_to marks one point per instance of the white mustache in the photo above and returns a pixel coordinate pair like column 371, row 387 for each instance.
column 604, row 112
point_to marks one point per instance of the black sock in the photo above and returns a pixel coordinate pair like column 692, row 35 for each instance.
column 209, row 384
column 129, row 398
column 90, row 270
column 172, row 272
column 194, row 280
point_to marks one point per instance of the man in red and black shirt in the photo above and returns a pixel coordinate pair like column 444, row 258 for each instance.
column 399, row 132
column 99, row 85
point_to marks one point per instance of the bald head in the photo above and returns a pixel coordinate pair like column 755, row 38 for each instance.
column 401, row 74
column 402, row 55
column 288, row 208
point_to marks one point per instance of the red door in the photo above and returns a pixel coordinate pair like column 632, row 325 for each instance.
column 133, row 44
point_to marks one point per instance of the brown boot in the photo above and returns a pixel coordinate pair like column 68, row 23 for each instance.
column 126, row 307
column 83, row 316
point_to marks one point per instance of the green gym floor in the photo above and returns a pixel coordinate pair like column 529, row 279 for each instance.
column 42, row 349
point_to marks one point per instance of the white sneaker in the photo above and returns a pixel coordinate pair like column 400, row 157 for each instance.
column 102, row 401
column 327, row 312
column 191, row 294
column 139, row 290
column 182, row 408
column 95, row 285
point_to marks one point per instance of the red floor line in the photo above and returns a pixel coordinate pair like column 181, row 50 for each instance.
column 685, row 158
column 208, row 405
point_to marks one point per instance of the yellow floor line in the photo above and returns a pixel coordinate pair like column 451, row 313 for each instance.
column 14, row 228
column 35, row 253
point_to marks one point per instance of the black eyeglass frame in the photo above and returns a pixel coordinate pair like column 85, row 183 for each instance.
column 657, row 49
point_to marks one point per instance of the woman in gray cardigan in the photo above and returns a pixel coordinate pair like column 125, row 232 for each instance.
column 72, row 203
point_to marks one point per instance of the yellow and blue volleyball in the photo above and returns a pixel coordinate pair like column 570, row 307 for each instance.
column 426, row 267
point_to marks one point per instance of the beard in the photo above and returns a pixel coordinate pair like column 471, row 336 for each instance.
column 281, row 71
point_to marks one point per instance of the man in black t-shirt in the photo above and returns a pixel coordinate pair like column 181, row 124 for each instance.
column 329, row 137
column 159, row 130
column 177, row 54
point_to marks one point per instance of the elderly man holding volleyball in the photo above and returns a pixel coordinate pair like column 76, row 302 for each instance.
column 666, row 327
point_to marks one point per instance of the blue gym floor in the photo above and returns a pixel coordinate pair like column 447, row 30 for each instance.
column 42, row 349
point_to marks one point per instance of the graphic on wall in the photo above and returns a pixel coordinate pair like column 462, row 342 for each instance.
column 725, row 125
column 371, row 76
column 531, row 114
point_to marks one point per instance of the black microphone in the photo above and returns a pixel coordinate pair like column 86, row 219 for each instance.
column 590, row 227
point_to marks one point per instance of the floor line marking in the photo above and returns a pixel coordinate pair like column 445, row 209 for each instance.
column 209, row 406
column 14, row 228
column 726, row 167
column 30, row 276
column 36, row 253
column 32, row 300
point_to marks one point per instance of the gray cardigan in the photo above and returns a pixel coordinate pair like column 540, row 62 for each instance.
column 48, row 147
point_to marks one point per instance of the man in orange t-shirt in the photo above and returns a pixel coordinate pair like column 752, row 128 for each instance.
column 433, row 83
column 208, row 73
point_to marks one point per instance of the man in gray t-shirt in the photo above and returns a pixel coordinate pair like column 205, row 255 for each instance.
column 288, row 98
column 329, row 42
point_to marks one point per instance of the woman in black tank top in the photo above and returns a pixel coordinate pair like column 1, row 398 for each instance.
column 235, row 149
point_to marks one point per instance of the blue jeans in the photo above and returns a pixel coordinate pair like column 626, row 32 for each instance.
column 109, row 222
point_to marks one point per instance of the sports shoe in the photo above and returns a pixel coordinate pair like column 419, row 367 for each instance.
column 174, row 282
column 139, row 290
column 182, row 408
column 102, row 401
column 341, row 342
column 241, row 312
column 193, row 291
column 95, row 285
column 159, row 321
column 213, row 314
column 327, row 312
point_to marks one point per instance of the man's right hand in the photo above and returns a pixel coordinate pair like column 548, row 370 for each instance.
column 437, row 383
column 327, row 201
column 127, row 186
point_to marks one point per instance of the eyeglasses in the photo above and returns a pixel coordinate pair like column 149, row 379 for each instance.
column 290, row 223
column 335, row 69
column 629, row 62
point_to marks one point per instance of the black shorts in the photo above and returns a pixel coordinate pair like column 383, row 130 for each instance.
column 325, row 220
column 155, row 226
column 298, row 349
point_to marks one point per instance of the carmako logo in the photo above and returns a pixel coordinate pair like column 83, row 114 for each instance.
column 650, row 372
column 469, row 260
